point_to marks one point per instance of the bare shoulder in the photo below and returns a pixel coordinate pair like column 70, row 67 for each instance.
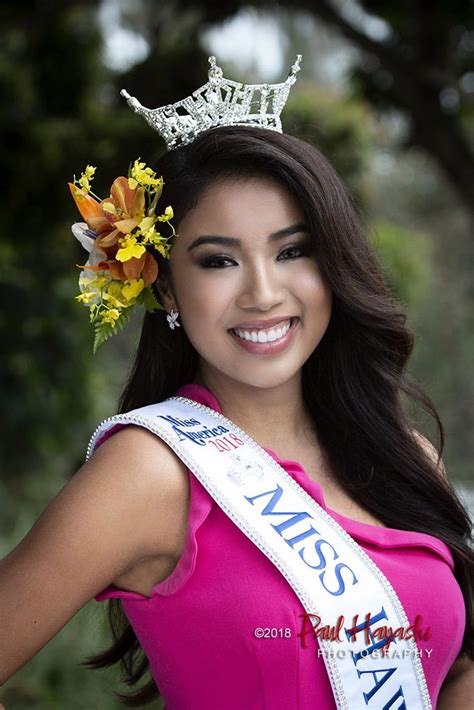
column 143, row 458
column 141, row 467
column 431, row 452
column 127, row 502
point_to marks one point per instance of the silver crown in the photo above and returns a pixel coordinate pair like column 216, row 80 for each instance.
column 220, row 102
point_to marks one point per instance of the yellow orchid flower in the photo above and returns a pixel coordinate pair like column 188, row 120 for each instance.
column 150, row 236
column 113, row 300
column 89, row 171
column 86, row 177
column 110, row 316
column 163, row 249
column 168, row 214
column 129, row 249
column 146, row 223
column 133, row 288
column 144, row 175
column 85, row 297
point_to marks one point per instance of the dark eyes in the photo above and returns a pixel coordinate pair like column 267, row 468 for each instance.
column 213, row 262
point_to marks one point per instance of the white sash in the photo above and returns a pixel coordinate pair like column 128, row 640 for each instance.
column 304, row 542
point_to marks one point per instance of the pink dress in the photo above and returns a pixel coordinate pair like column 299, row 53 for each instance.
column 197, row 628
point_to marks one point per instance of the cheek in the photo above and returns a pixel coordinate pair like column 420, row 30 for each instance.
column 313, row 291
column 203, row 300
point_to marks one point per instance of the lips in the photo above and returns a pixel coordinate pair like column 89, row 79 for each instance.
column 272, row 347
column 282, row 325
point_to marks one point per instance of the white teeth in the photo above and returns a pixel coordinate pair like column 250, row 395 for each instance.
column 263, row 336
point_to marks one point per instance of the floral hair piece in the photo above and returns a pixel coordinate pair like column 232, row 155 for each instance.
column 117, row 232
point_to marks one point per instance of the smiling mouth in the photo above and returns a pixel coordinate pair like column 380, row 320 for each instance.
column 261, row 335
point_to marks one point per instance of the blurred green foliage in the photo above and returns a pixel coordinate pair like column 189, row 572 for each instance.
column 46, row 127
column 407, row 260
column 54, row 679
column 342, row 129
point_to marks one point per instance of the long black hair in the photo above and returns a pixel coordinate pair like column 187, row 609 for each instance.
column 355, row 383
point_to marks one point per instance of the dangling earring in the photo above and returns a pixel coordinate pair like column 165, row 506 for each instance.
column 172, row 319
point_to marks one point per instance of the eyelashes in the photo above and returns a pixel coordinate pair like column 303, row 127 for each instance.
column 215, row 262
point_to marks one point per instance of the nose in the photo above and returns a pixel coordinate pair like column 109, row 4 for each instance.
column 262, row 288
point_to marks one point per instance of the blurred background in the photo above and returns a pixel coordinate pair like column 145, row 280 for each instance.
column 386, row 91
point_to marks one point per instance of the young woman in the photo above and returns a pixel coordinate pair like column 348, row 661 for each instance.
column 287, row 328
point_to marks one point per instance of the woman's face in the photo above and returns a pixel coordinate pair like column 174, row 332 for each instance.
column 233, row 264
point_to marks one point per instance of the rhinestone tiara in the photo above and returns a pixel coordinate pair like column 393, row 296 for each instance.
column 220, row 102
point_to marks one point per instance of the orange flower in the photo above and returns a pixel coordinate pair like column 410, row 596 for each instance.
column 150, row 269
column 124, row 210
column 90, row 209
column 145, row 267
column 116, row 215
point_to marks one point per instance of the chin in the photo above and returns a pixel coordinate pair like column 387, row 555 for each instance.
column 262, row 375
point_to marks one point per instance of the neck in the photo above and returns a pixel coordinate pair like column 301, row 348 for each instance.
column 273, row 416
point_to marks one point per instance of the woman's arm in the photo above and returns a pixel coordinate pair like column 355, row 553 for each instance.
column 118, row 508
column 458, row 688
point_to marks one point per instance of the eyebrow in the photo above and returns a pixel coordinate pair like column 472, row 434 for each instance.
column 232, row 241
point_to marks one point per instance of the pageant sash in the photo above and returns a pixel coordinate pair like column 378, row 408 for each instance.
column 330, row 573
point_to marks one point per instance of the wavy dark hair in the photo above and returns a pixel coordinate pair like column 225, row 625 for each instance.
column 355, row 383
